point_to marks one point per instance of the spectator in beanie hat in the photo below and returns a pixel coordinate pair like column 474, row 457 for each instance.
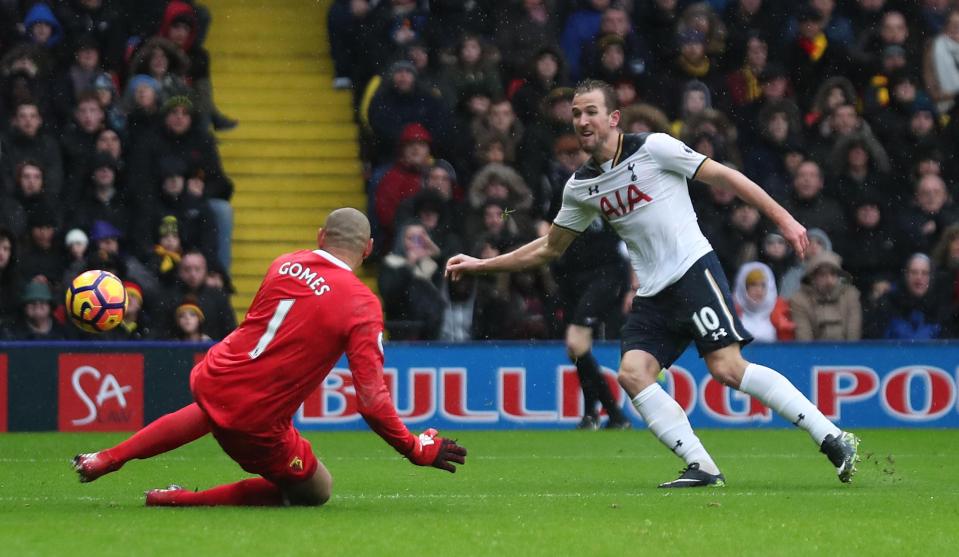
column 76, row 242
column 167, row 251
column 404, row 178
column 189, row 320
column 135, row 325
column 36, row 322
column 106, row 241
column 141, row 101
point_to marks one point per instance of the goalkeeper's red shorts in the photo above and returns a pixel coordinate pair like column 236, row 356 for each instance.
column 282, row 456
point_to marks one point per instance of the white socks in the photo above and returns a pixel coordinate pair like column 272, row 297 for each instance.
column 776, row 392
column 666, row 419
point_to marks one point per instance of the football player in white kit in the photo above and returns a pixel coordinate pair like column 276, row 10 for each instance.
column 638, row 183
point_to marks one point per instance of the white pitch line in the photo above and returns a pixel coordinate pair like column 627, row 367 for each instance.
column 473, row 458
column 650, row 493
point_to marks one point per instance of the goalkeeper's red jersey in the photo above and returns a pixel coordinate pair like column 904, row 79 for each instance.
column 310, row 309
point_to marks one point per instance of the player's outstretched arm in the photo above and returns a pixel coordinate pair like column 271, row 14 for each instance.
column 534, row 254
column 714, row 173
column 364, row 351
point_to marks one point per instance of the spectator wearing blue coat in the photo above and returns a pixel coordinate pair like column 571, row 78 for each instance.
column 912, row 311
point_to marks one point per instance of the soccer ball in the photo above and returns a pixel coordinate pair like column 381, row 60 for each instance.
column 96, row 301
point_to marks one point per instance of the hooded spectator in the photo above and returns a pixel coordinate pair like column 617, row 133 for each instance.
column 502, row 184
column 42, row 27
column 764, row 314
column 165, row 62
column 827, row 306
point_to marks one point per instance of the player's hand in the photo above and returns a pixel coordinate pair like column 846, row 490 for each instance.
column 795, row 234
column 438, row 452
column 458, row 265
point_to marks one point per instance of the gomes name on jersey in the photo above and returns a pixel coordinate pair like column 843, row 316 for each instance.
column 309, row 277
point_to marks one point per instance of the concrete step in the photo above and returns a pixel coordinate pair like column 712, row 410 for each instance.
column 293, row 131
column 318, row 201
column 270, row 37
column 267, row 250
column 284, row 81
column 275, row 232
column 268, row 64
column 298, row 217
column 338, row 149
column 242, row 48
column 288, row 114
column 250, row 267
column 247, row 286
column 349, row 185
column 323, row 95
column 273, row 14
column 249, row 165
column 217, row 6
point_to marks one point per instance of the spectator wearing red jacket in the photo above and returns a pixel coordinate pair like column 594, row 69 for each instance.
column 403, row 179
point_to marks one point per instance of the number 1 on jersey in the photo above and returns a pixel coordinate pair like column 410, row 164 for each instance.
column 281, row 310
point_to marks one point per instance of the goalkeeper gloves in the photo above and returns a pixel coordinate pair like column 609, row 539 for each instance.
column 432, row 450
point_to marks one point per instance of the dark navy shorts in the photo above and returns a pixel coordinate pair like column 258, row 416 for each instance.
column 698, row 307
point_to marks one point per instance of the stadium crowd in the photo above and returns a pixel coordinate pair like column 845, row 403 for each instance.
column 843, row 110
column 107, row 162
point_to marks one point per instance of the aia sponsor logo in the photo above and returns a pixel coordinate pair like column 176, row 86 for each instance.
column 100, row 392
column 616, row 204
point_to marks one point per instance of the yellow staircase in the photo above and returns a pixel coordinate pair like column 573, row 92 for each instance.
column 294, row 157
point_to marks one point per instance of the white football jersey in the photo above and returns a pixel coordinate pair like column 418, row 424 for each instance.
column 644, row 196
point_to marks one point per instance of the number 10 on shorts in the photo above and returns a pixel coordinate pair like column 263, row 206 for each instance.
column 707, row 322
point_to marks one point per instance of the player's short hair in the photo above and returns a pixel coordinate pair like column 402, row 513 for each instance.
column 609, row 95
column 347, row 229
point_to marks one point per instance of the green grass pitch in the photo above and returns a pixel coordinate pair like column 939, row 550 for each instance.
column 521, row 493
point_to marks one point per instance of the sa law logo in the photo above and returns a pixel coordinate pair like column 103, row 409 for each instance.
column 100, row 392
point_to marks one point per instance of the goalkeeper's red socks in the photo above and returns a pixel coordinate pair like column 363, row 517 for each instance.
column 254, row 492
column 162, row 435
